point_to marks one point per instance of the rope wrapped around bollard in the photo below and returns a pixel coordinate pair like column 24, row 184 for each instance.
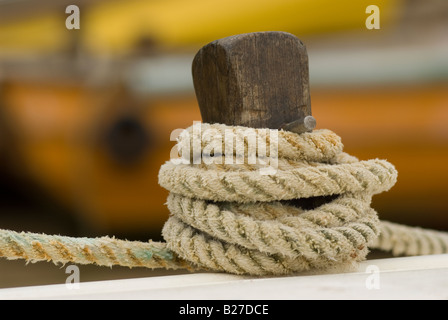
column 238, row 219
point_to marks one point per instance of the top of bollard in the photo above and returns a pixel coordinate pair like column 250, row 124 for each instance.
column 258, row 80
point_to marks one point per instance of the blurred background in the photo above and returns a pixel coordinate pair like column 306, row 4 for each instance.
column 86, row 115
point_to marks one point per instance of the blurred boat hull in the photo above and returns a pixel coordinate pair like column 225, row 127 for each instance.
column 57, row 131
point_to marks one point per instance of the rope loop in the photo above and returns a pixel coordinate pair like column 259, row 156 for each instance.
column 230, row 217
column 253, row 201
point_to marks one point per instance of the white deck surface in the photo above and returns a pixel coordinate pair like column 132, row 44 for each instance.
column 424, row 277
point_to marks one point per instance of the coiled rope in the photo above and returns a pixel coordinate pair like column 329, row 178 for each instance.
column 231, row 218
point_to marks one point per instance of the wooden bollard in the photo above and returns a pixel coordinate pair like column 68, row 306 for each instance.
column 257, row 80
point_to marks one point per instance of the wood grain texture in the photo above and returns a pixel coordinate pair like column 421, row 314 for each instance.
column 258, row 80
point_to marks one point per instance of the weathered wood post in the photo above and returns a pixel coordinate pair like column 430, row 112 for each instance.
column 258, row 80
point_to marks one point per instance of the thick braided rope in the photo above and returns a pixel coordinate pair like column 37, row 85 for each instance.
column 103, row 251
column 229, row 217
